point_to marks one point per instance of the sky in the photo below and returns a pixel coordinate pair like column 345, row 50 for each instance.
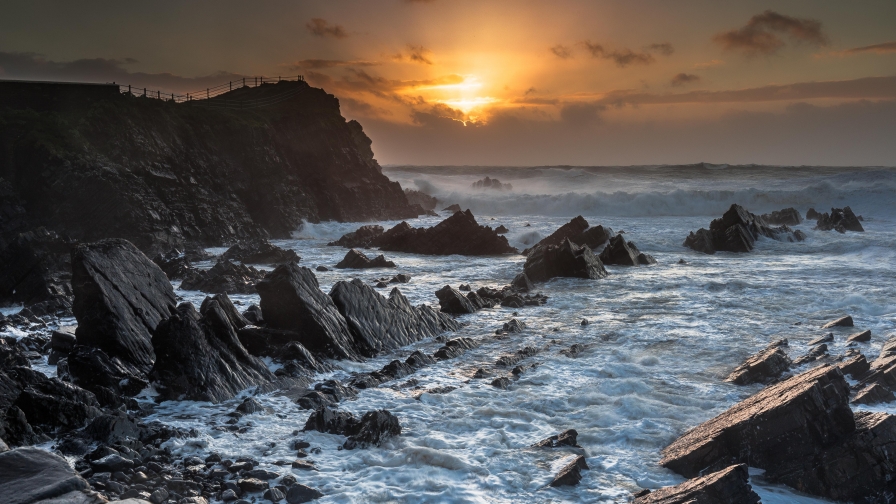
column 515, row 82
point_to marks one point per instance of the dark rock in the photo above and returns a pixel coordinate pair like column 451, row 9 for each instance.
column 840, row 322
column 464, row 287
column 425, row 201
column 873, row 394
column 840, row 219
column 52, row 404
column 454, row 348
column 827, row 338
column 253, row 315
column 291, row 300
column 259, row 251
column 458, row 234
column 861, row 337
column 107, row 377
column 480, row 302
column 29, row 475
column 112, row 463
column 12, row 356
column 490, row 183
column 322, row 268
column 377, row 324
column 305, row 465
column 452, row 208
column 332, row 421
column 574, row 350
column 730, row 486
column 501, row 229
column 883, row 369
column 570, row 474
column 855, row 367
column 373, row 429
column 565, row 438
column 522, row 283
column 786, row 217
column 63, row 340
column 564, row 260
column 224, row 277
column 737, row 231
column 513, row 326
column 174, row 263
column 355, row 259
column 762, row 367
column 622, row 253
column 519, row 355
column 812, row 214
column 362, row 237
column 248, row 406
column 511, row 297
column 274, row 495
column 200, row 357
column 577, row 231
column 299, row 494
column 34, row 266
column 813, row 355
column 453, row 302
column 584, row 322
column 120, row 298
column 227, row 308
column 252, row 485
column 115, row 428
column 501, row 382
column 277, row 343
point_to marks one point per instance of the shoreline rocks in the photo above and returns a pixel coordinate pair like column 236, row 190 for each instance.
column 259, row 251
column 224, row 277
column 730, row 486
column 564, row 260
column 840, row 220
column 622, row 253
column 577, row 231
column 355, row 259
column 763, row 367
column 786, row 217
column 737, row 231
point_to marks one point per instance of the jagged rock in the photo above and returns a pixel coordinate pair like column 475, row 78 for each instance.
column 513, row 326
column 571, row 473
column 259, row 251
column 511, row 297
column 845, row 321
column 813, row 355
column 34, row 267
column 812, row 214
column 425, row 201
column 200, row 357
column 577, row 231
column 377, row 324
column 565, row 438
column 174, row 263
column 574, row 350
column 61, row 343
column 883, row 369
column 107, row 377
column 737, row 231
column 454, row 348
column 31, row 475
column 762, row 367
column 861, row 337
column 224, row 277
column 373, row 429
column 452, row 301
column 291, row 300
column 327, row 393
column 522, row 283
column 786, row 217
column 564, row 260
column 502, row 382
column 355, row 259
column 458, row 234
column 490, row 183
column 502, row 229
column 855, row 367
column 464, row 287
column 120, row 298
column 253, row 315
column 51, row 404
column 873, row 394
column 12, row 356
column 393, row 370
column 840, row 220
column 360, row 238
column 827, row 338
column 479, row 302
column 278, row 343
column 233, row 315
column 299, row 494
column 452, row 208
column 249, row 406
column 510, row 360
column 622, row 253
column 730, row 486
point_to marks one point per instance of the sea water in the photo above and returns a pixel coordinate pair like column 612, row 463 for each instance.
column 660, row 341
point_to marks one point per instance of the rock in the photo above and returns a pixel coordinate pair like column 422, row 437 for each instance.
column 813, row 355
column 175, row 264
column 812, row 214
column 622, row 253
column 855, row 367
column 786, row 217
column 565, row 438
column 584, row 322
column 509, row 297
column 322, row 268
column 120, row 298
column 393, row 370
column 574, row 350
column 861, row 337
column 577, row 231
column 501, row 229
column 458, row 234
column 112, row 463
column 233, row 315
column 107, row 377
column 283, row 345
column 737, row 231
column 873, row 394
column 48, row 403
column 29, row 475
column 259, row 251
column 377, row 324
column 253, row 315
column 248, row 406
column 425, row 201
column 453, row 208
column 453, row 302
column 464, row 287
column 299, row 494
column 252, row 485
column 730, row 486
column 361, row 238
column 34, row 266
column 274, row 495
column 827, row 338
column 883, row 369
column 840, row 219
column 564, row 260
column 762, row 367
column 840, row 322
column 513, row 326
column 501, row 382
column 224, row 277
column 355, row 259
column 454, row 348
column 522, row 283
column 373, row 429
column 291, row 300
column 201, row 358
column 571, row 473
column 490, row 183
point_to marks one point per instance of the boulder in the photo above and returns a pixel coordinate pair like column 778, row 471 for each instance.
column 253, row 315
column 762, row 367
column 577, row 231
column 175, row 264
column 737, row 231
column 861, row 337
column 355, row 259
column 120, row 298
column 377, row 324
column 454, row 348
column 458, row 234
column 564, row 260
column 259, row 251
column 856, row 366
column 373, row 429
column 786, row 217
column 299, row 494
column 502, row 229
column 565, row 438
column 200, row 358
column 30, row 475
column 224, row 277
column 827, row 338
column 233, row 315
column 812, row 214
column 730, row 486
column 845, row 321
column 622, row 253
column 571, row 473
column 840, row 220
column 108, row 378
column 291, row 300
column 453, row 302
column 522, row 283
column 278, row 343
column 361, row 238
column 52, row 404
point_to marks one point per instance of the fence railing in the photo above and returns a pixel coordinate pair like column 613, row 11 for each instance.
column 212, row 96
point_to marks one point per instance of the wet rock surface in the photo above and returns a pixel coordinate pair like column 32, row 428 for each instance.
column 355, row 259
column 30, row 475
column 571, row 473
column 786, row 217
column 622, row 253
column 372, row 429
column 730, row 485
column 763, row 367
column 361, row 238
column 577, row 231
column 840, row 220
column 737, row 231
column 458, row 234
column 259, row 251
column 564, row 260
column 224, row 277
column 453, row 302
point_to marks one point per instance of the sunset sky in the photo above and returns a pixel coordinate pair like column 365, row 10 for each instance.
column 516, row 82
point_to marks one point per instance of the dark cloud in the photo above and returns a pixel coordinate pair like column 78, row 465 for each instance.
column 530, row 90
column 684, row 78
column 419, row 54
column 581, row 114
column 561, row 51
column 626, row 57
column 317, row 64
column 664, row 48
column 885, row 48
column 321, row 28
column 761, row 34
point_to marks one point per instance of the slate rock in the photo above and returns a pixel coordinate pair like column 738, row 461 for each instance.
column 564, row 260
column 840, row 220
column 224, row 277
column 453, row 302
column 737, row 231
column 571, row 473
column 373, row 429
column 107, row 377
column 299, row 494
column 861, row 337
column 762, row 367
column 786, row 217
column 730, row 486
column 355, row 259
column 873, row 394
column 577, row 231
column 259, row 251
column 360, row 238
column 565, row 438
column 845, row 321
column 458, row 234
column 29, row 475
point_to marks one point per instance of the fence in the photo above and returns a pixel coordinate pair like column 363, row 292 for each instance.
column 214, row 96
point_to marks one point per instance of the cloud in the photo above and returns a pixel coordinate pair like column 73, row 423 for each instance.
column 708, row 64
column 321, row 28
column 684, row 78
column 561, row 51
column 885, row 48
column 530, row 90
column 317, row 64
column 581, row 114
column 664, row 48
column 626, row 57
column 418, row 54
column 760, row 35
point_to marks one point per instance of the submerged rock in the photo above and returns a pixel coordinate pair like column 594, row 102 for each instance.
column 730, row 486
column 571, row 474
column 577, row 231
column 737, row 231
column 564, row 260
column 458, row 234
column 786, row 217
column 360, row 238
column 622, row 253
column 224, row 277
column 762, row 367
column 565, row 438
column 355, row 259
column 845, row 321
column 259, row 251
column 840, row 220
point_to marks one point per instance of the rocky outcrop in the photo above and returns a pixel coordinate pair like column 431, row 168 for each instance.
column 291, row 300
column 840, row 220
column 577, row 231
column 355, row 259
column 200, row 357
column 565, row 438
column 224, row 277
column 873, row 394
column 453, row 302
column 860, row 337
column 372, row 429
column 730, row 485
column 120, row 297
column 259, row 251
column 490, row 183
column 458, row 234
column 737, row 231
column 622, row 253
column 109, row 378
column 571, row 473
column 425, row 201
column 453, row 208
column 786, row 217
column 48, row 405
column 844, row 321
column 30, row 475
column 564, row 260
column 360, row 238
column 762, row 367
